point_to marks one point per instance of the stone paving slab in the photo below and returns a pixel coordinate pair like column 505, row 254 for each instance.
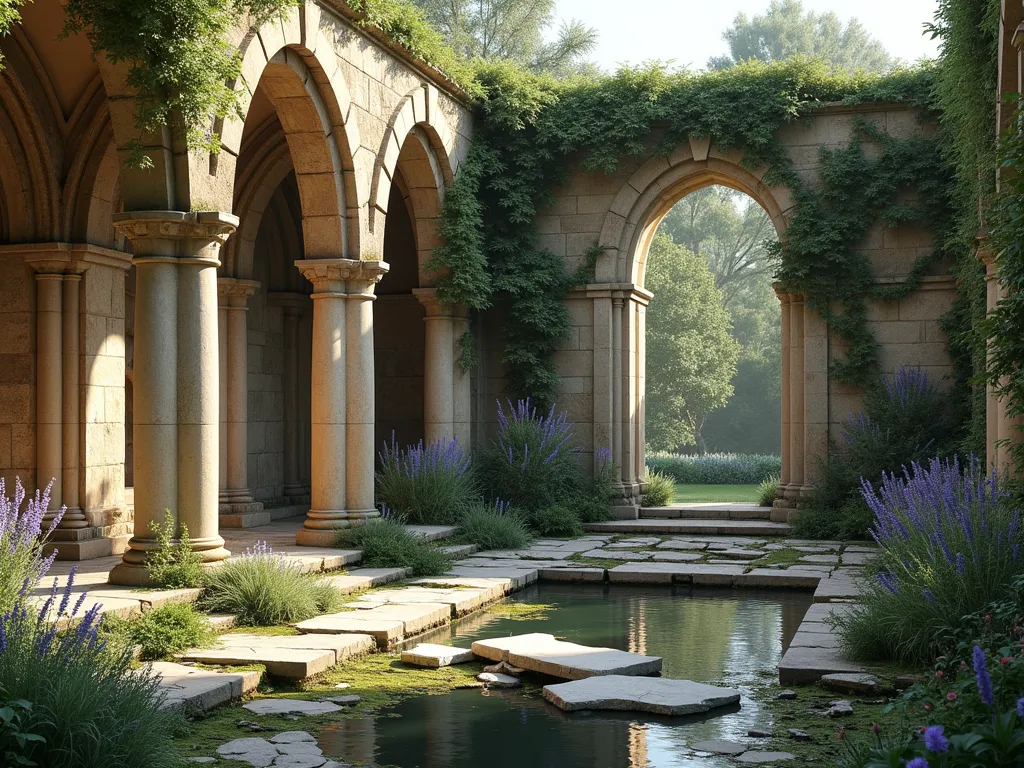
column 366, row 578
column 197, row 690
column 769, row 577
column 657, row 695
column 433, row 532
column 436, row 656
column 461, row 601
column 385, row 631
column 841, row 585
column 676, row 557
column 457, row 551
column 494, row 587
column 572, row 574
column 616, row 554
column 520, row 577
column 543, row 654
column 696, row 546
column 807, row 665
column 712, row 527
column 294, row 657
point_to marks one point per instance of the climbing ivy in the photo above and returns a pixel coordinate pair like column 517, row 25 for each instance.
column 9, row 16
column 180, row 62
column 531, row 129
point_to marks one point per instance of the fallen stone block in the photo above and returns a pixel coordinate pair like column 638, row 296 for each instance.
column 430, row 655
column 543, row 654
column 657, row 695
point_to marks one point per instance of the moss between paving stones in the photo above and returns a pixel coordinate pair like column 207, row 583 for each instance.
column 521, row 611
column 784, row 557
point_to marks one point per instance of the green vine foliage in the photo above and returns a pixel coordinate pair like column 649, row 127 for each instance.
column 964, row 85
column 531, row 130
column 9, row 16
column 180, row 63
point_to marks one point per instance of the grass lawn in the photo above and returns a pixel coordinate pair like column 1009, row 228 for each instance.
column 692, row 494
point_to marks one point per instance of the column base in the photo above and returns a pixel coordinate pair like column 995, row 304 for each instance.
column 243, row 515
column 132, row 570
column 321, row 528
column 85, row 544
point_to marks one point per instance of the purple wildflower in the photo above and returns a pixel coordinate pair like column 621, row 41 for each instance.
column 1020, row 707
column 888, row 580
column 917, row 762
column 928, row 595
column 982, row 676
column 935, row 740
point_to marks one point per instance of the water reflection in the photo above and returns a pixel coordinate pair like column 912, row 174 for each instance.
column 728, row 637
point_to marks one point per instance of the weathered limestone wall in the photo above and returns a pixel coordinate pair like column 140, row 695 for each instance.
column 17, row 373
column 603, row 360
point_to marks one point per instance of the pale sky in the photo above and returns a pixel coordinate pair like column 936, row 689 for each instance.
column 690, row 31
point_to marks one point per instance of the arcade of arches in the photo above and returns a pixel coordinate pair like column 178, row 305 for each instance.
column 229, row 339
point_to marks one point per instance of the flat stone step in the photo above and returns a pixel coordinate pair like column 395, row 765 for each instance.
column 197, row 690
column 433, row 532
column 708, row 512
column 360, row 579
column 807, row 665
column 657, row 695
column 458, row 551
column 542, row 653
column 387, row 624
column 702, row 527
column 461, row 601
column 294, row 657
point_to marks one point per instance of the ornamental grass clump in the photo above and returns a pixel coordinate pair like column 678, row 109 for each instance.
column 495, row 527
column 263, row 588
column 426, row 484
column 21, row 540
column 661, row 489
column 88, row 707
column 386, row 543
column 715, row 468
column 950, row 544
column 172, row 628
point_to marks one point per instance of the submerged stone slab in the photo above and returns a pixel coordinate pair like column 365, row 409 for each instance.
column 657, row 695
column 764, row 757
column 290, row 706
column 430, row 655
column 542, row 653
column 498, row 680
column 720, row 747
column 851, row 682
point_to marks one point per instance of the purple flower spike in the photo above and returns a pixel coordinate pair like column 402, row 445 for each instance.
column 935, row 740
column 982, row 676
column 918, row 762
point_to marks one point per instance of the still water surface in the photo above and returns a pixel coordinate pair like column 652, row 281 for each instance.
column 727, row 637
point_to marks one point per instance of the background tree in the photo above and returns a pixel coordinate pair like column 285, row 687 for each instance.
column 785, row 30
column 691, row 355
column 514, row 30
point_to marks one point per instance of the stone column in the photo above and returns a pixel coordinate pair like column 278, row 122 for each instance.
column 293, row 306
column 222, row 346
column 73, row 518
column 1001, row 429
column 176, row 380
column 604, row 371
column 49, row 381
column 618, row 372
column 462, row 389
column 796, row 396
column 342, row 403
column 784, row 478
column 238, row 509
column 439, row 366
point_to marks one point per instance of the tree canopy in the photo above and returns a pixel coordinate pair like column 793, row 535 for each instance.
column 691, row 355
column 786, row 30
column 512, row 30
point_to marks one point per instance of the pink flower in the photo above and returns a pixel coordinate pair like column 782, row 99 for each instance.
column 951, row 696
column 1005, row 660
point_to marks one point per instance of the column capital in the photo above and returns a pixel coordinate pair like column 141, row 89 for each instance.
column 435, row 307
column 188, row 237
column 781, row 293
column 233, row 293
column 352, row 277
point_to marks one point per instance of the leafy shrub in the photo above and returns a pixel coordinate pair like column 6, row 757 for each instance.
column 950, row 544
column 14, row 742
column 22, row 539
column 173, row 564
column 497, row 527
column 906, row 418
column 263, row 589
column 386, row 543
column 715, row 468
column 426, row 485
column 535, row 464
column 90, row 708
column 169, row 629
column 556, row 521
column 768, row 491
column 661, row 489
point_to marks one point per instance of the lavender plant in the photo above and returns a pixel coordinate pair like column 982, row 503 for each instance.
column 536, row 464
column 22, row 538
column 906, row 418
column 264, row 588
column 950, row 544
column 89, row 708
column 426, row 484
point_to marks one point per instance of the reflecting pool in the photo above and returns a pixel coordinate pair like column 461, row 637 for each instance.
column 726, row 637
